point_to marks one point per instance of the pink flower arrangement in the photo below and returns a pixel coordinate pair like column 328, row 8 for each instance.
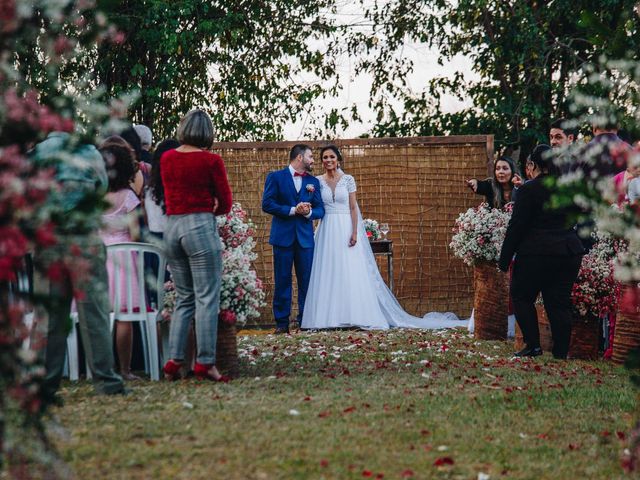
column 242, row 293
column 311, row 188
column 596, row 292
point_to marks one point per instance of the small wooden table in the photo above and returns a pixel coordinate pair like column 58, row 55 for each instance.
column 385, row 247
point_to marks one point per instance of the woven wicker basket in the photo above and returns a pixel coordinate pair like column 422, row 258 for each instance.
column 546, row 341
column 227, row 349
column 490, row 302
column 627, row 334
column 585, row 339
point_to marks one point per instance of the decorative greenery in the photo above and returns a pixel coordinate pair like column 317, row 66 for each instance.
column 525, row 58
column 253, row 65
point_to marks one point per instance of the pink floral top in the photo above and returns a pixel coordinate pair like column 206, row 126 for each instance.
column 116, row 220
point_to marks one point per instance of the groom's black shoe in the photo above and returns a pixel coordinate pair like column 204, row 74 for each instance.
column 281, row 330
column 529, row 352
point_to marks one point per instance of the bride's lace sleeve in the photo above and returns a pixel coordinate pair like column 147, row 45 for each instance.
column 351, row 183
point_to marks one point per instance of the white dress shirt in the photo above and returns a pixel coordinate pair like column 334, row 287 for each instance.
column 297, row 182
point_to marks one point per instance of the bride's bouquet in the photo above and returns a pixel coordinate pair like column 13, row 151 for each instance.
column 242, row 293
column 372, row 229
column 478, row 234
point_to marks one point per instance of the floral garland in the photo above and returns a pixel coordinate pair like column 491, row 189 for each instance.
column 479, row 232
column 242, row 294
column 372, row 229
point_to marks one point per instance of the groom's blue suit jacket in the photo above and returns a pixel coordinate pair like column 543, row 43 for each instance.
column 278, row 198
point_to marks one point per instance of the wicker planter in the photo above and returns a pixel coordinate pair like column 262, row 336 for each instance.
column 546, row 340
column 227, row 349
column 585, row 338
column 490, row 302
column 544, row 328
column 627, row 334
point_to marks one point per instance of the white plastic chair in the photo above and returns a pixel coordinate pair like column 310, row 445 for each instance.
column 121, row 254
column 72, row 365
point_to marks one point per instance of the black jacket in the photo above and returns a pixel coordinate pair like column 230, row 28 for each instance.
column 486, row 188
column 536, row 230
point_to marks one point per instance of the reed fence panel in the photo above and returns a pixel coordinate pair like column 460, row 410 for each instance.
column 416, row 185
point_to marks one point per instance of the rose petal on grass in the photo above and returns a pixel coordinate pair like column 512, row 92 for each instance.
column 324, row 463
column 367, row 473
column 441, row 461
column 407, row 473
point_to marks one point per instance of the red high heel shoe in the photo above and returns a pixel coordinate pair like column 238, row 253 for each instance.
column 201, row 371
column 171, row 370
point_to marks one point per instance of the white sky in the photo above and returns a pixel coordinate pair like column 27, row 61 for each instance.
column 356, row 88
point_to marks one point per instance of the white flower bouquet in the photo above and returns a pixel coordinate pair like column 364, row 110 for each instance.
column 372, row 229
column 478, row 234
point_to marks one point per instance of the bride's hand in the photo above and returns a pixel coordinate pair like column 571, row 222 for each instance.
column 353, row 240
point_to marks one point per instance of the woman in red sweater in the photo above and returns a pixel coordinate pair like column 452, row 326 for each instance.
column 195, row 191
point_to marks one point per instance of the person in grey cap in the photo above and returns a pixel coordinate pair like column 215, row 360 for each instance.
column 146, row 139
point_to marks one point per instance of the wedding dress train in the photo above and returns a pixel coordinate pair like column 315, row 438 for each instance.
column 346, row 288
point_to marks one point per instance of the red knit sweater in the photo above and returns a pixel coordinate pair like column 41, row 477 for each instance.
column 191, row 180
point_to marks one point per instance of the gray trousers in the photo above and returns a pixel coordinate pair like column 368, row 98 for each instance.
column 194, row 253
column 55, row 298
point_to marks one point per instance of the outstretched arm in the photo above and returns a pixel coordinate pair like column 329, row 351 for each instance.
column 269, row 199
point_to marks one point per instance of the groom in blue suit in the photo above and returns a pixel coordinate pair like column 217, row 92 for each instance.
column 292, row 196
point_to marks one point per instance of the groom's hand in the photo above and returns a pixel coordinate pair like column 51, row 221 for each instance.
column 303, row 208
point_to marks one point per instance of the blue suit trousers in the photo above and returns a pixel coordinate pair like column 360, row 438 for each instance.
column 284, row 259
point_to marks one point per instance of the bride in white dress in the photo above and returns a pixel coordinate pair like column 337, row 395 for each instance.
column 346, row 288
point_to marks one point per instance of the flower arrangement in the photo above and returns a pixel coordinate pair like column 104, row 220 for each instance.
column 242, row 293
column 596, row 292
column 478, row 234
column 31, row 106
column 372, row 229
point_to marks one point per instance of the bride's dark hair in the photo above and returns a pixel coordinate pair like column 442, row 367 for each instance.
column 336, row 151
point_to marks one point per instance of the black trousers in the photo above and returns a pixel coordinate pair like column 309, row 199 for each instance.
column 553, row 276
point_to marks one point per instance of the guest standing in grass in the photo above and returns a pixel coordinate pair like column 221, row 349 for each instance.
column 195, row 191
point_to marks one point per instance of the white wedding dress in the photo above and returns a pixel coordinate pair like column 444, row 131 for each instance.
column 346, row 288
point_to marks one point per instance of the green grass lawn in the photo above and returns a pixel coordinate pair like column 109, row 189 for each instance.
column 351, row 404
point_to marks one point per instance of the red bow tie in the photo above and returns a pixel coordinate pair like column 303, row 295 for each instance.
column 296, row 174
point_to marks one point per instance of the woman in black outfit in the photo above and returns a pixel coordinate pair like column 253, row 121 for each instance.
column 548, row 259
column 498, row 190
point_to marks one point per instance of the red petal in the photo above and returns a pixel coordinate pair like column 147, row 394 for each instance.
column 443, row 461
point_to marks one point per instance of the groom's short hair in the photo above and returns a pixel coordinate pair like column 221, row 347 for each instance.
column 298, row 149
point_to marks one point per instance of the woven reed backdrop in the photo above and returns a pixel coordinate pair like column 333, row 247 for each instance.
column 416, row 185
